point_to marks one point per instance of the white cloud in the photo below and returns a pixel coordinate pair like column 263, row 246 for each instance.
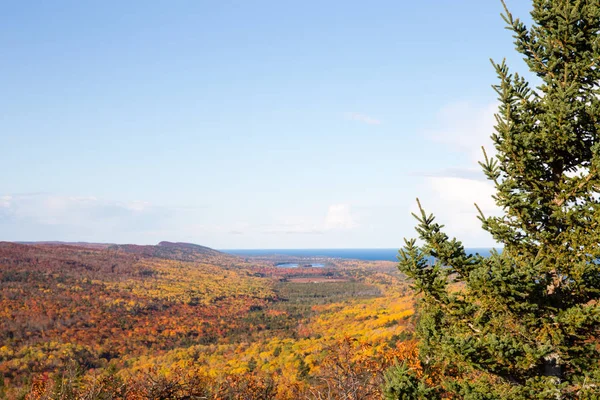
column 362, row 118
column 74, row 211
column 5, row 201
column 451, row 193
column 463, row 193
column 137, row 205
column 42, row 216
column 339, row 216
column 452, row 201
column 465, row 127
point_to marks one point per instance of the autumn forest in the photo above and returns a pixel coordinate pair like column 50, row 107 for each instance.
column 184, row 321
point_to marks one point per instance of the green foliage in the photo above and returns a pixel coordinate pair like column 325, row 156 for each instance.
column 303, row 369
column 401, row 383
column 524, row 323
column 252, row 364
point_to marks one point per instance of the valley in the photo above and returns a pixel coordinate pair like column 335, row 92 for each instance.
column 187, row 317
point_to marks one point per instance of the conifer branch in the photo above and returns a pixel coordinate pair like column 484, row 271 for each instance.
column 481, row 216
column 560, row 201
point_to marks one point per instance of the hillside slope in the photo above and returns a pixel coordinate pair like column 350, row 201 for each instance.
column 61, row 303
column 172, row 251
column 242, row 328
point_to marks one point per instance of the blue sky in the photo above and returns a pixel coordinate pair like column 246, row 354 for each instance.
column 263, row 124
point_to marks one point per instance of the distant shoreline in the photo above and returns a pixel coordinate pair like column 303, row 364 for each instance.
column 352, row 254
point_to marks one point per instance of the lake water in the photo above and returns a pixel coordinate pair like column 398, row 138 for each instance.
column 354, row 254
column 296, row 265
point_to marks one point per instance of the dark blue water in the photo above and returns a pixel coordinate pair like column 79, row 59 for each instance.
column 354, row 254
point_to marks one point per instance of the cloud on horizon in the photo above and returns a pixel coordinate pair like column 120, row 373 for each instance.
column 464, row 127
column 83, row 217
column 474, row 173
column 42, row 216
column 339, row 217
column 451, row 193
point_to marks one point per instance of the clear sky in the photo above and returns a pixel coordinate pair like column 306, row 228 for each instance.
column 246, row 124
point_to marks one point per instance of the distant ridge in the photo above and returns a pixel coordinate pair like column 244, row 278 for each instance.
column 77, row 244
column 183, row 245
column 166, row 250
column 170, row 250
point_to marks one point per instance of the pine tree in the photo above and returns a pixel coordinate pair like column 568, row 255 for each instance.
column 523, row 323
